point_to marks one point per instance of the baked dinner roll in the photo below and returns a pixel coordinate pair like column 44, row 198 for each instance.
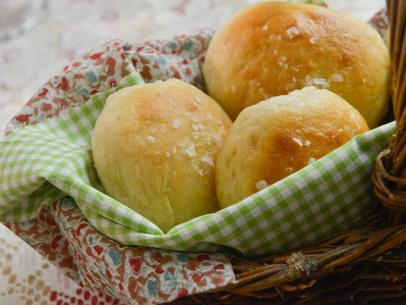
column 272, row 48
column 277, row 137
column 154, row 148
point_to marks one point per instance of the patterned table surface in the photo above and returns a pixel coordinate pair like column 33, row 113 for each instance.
column 70, row 28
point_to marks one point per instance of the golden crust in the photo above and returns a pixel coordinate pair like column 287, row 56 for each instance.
column 272, row 48
column 154, row 147
column 279, row 136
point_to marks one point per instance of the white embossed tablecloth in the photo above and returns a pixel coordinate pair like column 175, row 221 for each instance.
column 70, row 28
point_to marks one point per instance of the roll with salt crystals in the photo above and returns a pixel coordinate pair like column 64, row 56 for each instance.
column 279, row 136
column 154, row 148
column 272, row 48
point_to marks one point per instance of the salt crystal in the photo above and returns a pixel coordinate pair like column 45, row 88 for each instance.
column 261, row 184
column 292, row 31
column 307, row 143
column 198, row 100
column 197, row 126
column 208, row 160
column 151, row 139
column 335, row 77
column 175, row 124
column 308, row 80
column 190, row 151
column 217, row 140
column 297, row 141
column 265, row 27
column 313, row 40
column 174, row 150
column 233, row 89
column 167, row 154
column 311, row 160
column 321, row 82
column 161, row 93
column 200, row 171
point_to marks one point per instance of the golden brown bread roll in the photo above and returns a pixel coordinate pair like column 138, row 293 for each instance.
column 272, row 48
column 154, row 148
column 276, row 137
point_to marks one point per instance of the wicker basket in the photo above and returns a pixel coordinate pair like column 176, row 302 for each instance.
column 366, row 265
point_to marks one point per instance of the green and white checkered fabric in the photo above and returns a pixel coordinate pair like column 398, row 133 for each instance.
column 50, row 160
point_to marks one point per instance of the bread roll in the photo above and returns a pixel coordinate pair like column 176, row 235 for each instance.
column 154, row 148
column 272, row 48
column 279, row 136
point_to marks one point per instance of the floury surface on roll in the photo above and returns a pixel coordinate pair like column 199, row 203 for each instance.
column 277, row 137
column 154, row 148
column 272, row 48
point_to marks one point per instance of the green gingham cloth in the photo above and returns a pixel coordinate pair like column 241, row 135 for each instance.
column 42, row 163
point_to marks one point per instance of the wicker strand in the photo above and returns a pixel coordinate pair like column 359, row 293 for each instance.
column 398, row 59
column 389, row 178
